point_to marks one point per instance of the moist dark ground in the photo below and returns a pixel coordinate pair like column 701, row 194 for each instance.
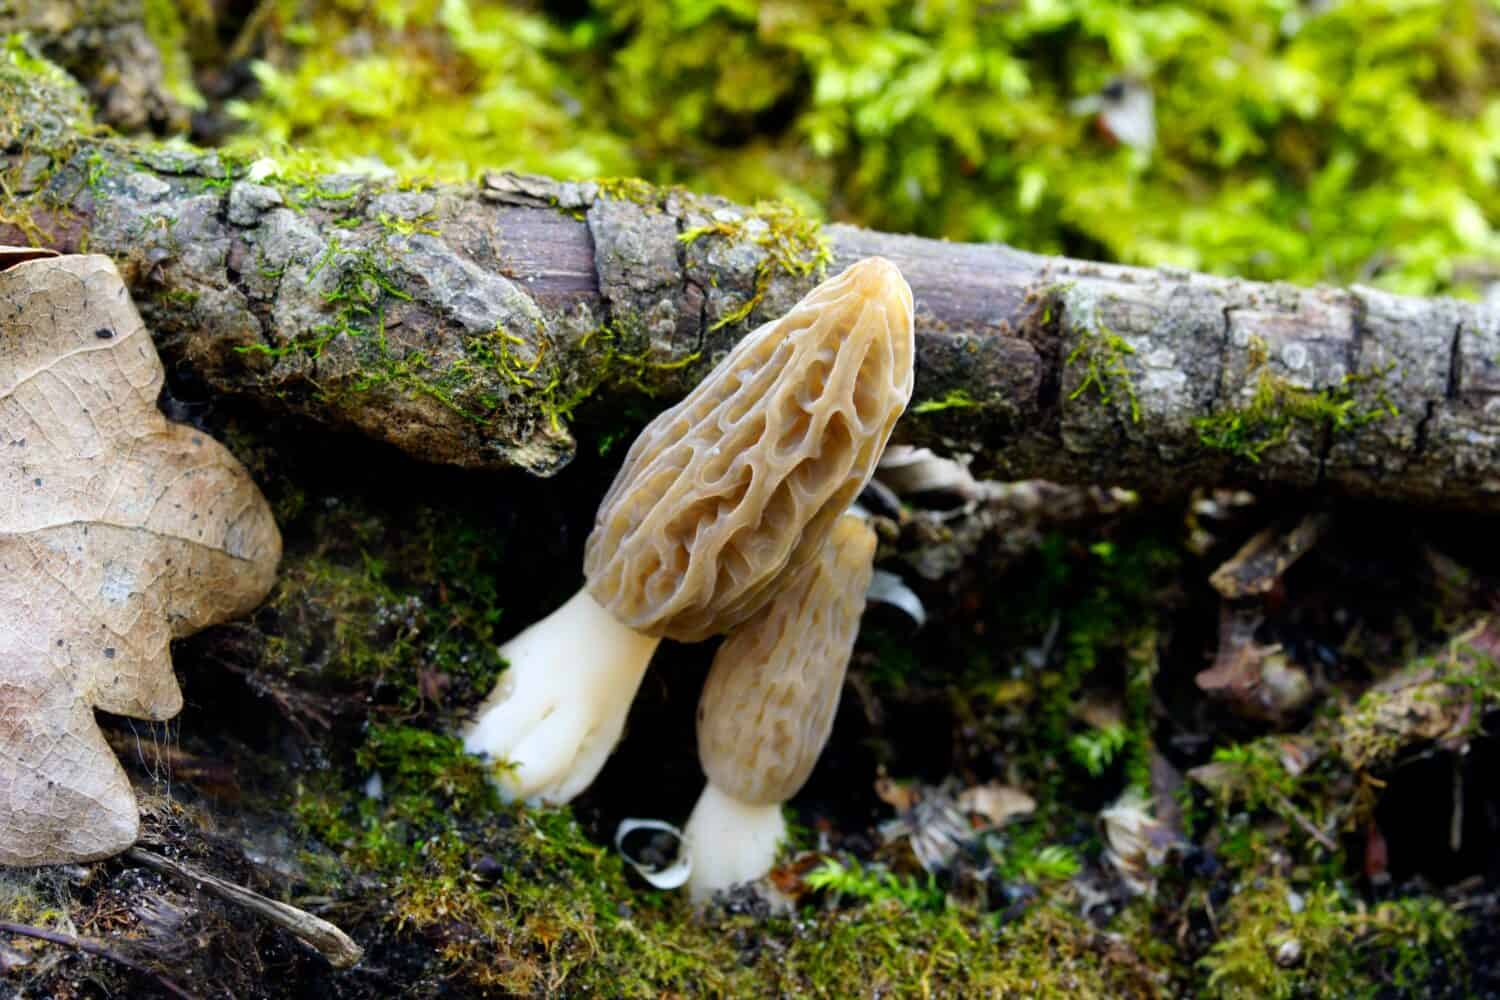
column 400, row 580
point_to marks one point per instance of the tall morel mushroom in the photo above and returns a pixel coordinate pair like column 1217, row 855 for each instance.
column 768, row 707
column 719, row 499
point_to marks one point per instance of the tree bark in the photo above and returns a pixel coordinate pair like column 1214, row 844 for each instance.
column 471, row 323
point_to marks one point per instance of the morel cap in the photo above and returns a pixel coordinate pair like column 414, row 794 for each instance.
column 741, row 482
column 767, row 707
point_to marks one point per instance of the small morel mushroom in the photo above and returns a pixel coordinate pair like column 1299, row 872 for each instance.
column 719, row 500
column 768, row 706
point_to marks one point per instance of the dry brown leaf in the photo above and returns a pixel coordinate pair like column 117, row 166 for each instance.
column 995, row 803
column 1136, row 842
column 119, row 532
column 1257, row 681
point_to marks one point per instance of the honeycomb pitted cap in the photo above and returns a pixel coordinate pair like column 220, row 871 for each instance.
column 740, row 483
column 767, row 706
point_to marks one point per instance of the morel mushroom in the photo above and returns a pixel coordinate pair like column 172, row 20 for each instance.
column 768, row 707
column 719, row 499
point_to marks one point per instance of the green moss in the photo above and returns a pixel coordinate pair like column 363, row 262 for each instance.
column 414, row 629
column 523, row 901
column 519, row 900
column 631, row 189
column 163, row 20
column 37, row 897
column 1054, row 953
column 605, row 361
column 1285, row 794
column 406, row 227
column 789, row 242
column 1254, row 776
column 23, row 221
column 1096, row 749
column 1321, row 786
column 29, row 81
column 1026, row 858
column 1277, row 940
column 99, row 167
column 231, row 169
column 516, row 900
column 1278, row 408
column 500, row 375
column 181, row 297
column 361, row 292
column 1101, row 353
column 1088, row 614
column 487, row 89
column 512, row 364
column 1302, row 158
column 953, row 399
column 1100, row 589
column 876, row 886
column 1441, row 697
column 53, row 132
column 357, row 298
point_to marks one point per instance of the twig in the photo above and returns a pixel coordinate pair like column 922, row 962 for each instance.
column 244, row 42
column 1306, row 824
column 330, row 942
column 1456, row 821
column 96, row 949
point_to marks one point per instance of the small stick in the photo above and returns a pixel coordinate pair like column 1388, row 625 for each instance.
column 330, row 942
column 1306, row 824
column 97, row 950
column 1456, row 821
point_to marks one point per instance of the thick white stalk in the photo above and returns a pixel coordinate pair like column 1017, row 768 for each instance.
column 730, row 842
column 560, row 706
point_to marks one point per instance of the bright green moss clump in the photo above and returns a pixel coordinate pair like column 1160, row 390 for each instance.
column 1278, row 408
column 1100, row 355
column 446, row 88
column 1277, row 941
column 953, row 399
column 522, row 901
column 1347, row 141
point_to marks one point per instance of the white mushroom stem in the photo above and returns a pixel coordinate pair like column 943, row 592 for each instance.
column 560, row 706
column 720, row 499
column 730, row 841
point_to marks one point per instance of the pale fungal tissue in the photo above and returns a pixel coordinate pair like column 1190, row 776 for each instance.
column 768, row 706
column 721, row 501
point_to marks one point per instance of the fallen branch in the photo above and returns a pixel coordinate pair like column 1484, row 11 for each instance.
column 97, row 950
column 1325, row 841
column 330, row 942
column 470, row 324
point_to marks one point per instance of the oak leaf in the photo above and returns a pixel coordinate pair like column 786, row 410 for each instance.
column 119, row 531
